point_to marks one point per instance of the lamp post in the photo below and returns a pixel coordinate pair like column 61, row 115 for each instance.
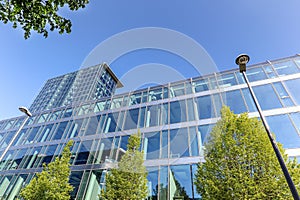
column 242, row 60
column 27, row 112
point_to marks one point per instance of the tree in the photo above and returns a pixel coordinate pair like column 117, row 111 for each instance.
column 38, row 15
column 129, row 180
column 53, row 182
column 240, row 162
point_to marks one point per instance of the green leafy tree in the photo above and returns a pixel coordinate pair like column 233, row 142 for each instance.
column 129, row 180
column 38, row 15
column 240, row 162
column 53, row 182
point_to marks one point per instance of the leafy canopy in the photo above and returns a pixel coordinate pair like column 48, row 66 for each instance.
column 38, row 15
column 53, row 182
column 129, row 180
column 240, row 162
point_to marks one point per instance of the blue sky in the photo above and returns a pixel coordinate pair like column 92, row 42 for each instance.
column 265, row 30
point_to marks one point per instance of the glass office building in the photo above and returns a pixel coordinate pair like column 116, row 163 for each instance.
column 174, row 119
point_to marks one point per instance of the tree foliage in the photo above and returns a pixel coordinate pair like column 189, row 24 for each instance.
column 240, row 162
column 129, row 180
column 53, row 182
column 38, row 15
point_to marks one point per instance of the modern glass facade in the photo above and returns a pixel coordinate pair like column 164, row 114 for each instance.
column 86, row 84
column 174, row 119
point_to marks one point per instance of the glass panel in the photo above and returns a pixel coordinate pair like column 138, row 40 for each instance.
column 131, row 120
column 204, row 131
column 256, row 74
column 95, row 184
column 180, row 182
column 179, row 146
column 249, row 100
column 218, row 103
column 142, row 117
column 44, row 133
column 177, row 111
column 7, row 139
column 84, row 152
column 200, row 85
column 83, row 184
column 151, row 145
column 191, row 109
column 92, row 126
column 164, row 114
column 155, row 94
column 194, row 170
column 205, row 107
column 116, row 102
column 20, row 137
column 74, row 180
column 286, row 134
column 43, row 118
column 294, row 89
column 270, row 71
column 68, row 113
column 104, row 150
column 263, row 94
column 135, row 99
column 60, row 130
column 285, row 68
column 47, row 157
column 100, row 106
column 163, row 183
column 227, row 80
column 285, row 98
column 177, row 90
column 234, row 100
column 75, row 128
column 152, row 183
column 153, row 114
column 296, row 119
column 123, row 146
column 111, row 122
column 194, row 135
column 164, row 144
column 239, row 77
column 32, row 135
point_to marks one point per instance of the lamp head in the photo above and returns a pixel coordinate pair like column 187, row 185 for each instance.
column 241, row 61
column 25, row 110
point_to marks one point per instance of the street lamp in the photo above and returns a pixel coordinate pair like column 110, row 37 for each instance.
column 27, row 112
column 242, row 60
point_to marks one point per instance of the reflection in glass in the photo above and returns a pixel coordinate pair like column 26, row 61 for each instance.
column 151, row 145
column 180, row 182
column 294, row 89
column 264, row 93
column 152, row 183
column 177, row 111
column 285, row 134
column 179, row 143
column 234, row 100
column 285, row 68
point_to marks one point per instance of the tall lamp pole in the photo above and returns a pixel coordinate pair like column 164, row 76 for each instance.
column 242, row 60
column 27, row 112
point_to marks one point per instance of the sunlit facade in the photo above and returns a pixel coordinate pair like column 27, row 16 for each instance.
column 174, row 119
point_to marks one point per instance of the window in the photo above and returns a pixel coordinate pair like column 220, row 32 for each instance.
column 177, row 111
column 131, row 120
column 205, row 107
column 151, row 145
column 267, row 97
column 179, row 143
column 284, row 130
column 235, row 101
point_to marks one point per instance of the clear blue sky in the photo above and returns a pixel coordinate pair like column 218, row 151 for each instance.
column 263, row 29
